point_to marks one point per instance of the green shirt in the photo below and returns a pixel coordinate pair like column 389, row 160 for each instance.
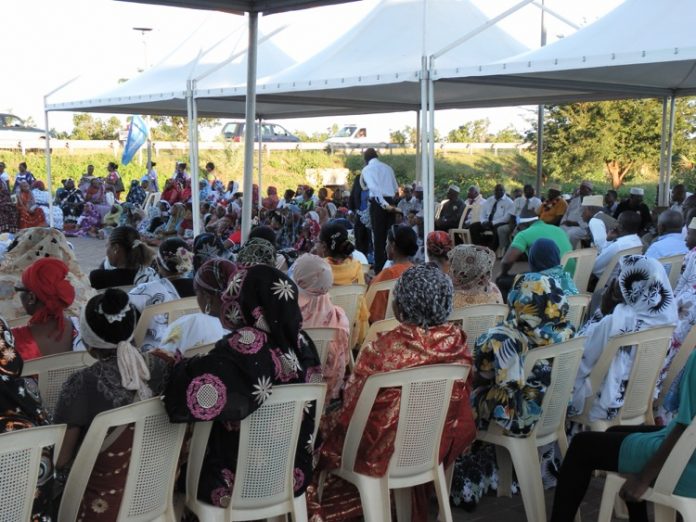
column 524, row 240
column 638, row 448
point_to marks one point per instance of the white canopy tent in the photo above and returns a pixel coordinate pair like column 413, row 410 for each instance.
column 643, row 48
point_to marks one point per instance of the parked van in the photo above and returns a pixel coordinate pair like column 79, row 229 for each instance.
column 270, row 132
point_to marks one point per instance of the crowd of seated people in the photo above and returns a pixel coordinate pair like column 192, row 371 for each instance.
column 257, row 296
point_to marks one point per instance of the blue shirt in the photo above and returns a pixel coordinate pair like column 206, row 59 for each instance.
column 638, row 448
column 667, row 245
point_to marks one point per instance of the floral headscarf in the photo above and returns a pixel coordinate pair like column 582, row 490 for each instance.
column 424, row 296
column 136, row 194
column 174, row 256
column 646, row 288
column 471, row 267
column 438, row 243
column 206, row 246
column 257, row 251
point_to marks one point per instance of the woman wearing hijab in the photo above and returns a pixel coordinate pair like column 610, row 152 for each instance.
column 20, row 408
column 314, row 278
column 95, row 192
column 46, row 294
column 471, row 270
column 29, row 246
column 309, row 232
column 545, row 258
column 9, row 217
column 121, row 376
column 30, row 214
column 206, row 246
column 271, row 201
column 192, row 330
column 640, row 298
column 438, row 245
column 423, row 301
column 136, row 194
column 266, row 348
column 171, row 192
column 42, row 197
column 90, row 221
column 257, row 251
column 112, row 218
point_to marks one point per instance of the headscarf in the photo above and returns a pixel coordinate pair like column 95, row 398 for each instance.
column 30, row 245
column 423, row 295
column 543, row 254
column 136, row 194
column 271, row 202
column 38, row 184
column 114, row 216
column 214, row 275
column 46, row 278
column 262, row 298
column 314, row 278
column 131, row 364
column 471, row 267
column 647, row 291
column 174, row 256
column 206, row 246
column 257, row 251
column 323, row 214
column 439, row 243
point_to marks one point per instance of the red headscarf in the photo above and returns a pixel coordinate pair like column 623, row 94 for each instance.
column 46, row 278
column 438, row 243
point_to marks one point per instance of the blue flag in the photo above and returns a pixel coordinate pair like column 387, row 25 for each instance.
column 137, row 136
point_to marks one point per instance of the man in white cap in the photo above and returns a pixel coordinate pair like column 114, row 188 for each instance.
column 635, row 204
column 497, row 215
column 670, row 241
column 572, row 222
column 450, row 210
column 598, row 222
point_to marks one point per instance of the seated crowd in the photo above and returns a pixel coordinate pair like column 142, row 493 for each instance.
column 256, row 298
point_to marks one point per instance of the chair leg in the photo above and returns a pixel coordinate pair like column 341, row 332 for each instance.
column 442, row 489
column 612, row 485
column 526, row 461
column 666, row 514
column 299, row 509
column 502, row 457
column 402, row 499
column 374, row 496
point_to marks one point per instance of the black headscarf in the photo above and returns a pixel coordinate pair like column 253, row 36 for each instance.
column 205, row 247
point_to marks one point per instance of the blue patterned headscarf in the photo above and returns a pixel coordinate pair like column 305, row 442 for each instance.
column 423, row 295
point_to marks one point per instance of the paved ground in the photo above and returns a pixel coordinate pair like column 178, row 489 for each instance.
column 90, row 253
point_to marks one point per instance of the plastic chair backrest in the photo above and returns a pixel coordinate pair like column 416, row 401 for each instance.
column 348, row 298
column 154, row 458
column 650, row 348
column 673, row 265
column 584, row 262
column 201, row 349
column 477, row 319
column 425, row 398
column 173, row 309
column 20, row 461
column 565, row 360
column 52, row 371
column 382, row 286
column 604, row 279
column 577, row 306
column 321, row 337
column 22, row 320
column 679, row 457
column 151, row 200
column 376, row 328
column 464, row 233
column 677, row 364
column 266, row 457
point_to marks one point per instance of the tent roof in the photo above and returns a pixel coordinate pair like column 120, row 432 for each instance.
column 241, row 6
column 641, row 48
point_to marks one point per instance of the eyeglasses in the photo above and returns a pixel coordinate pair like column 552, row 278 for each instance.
column 20, row 289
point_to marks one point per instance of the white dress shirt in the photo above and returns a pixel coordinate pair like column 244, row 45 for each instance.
column 503, row 211
column 598, row 230
column 379, row 180
column 521, row 203
column 667, row 245
column 474, row 209
column 611, row 249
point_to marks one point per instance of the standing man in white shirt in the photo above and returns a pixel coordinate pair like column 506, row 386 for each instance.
column 496, row 215
column 624, row 236
column 379, row 180
column 528, row 203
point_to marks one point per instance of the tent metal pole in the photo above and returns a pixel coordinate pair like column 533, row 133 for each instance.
column 663, row 148
column 422, row 137
column 540, row 120
column 195, row 174
column 668, row 156
column 429, row 226
column 249, row 125
column 419, row 174
column 49, row 181
column 260, row 135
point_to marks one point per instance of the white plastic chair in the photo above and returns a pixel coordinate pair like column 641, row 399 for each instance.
column 477, row 319
column 650, row 349
column 577, row 306
column 662, row 493
column 378, row 327
column 677, row 365
column 149, row 490
column 263, row 485
column 52, row 371
column 382, row 286
column 522, row 452
column 173, row 309
column 20, row 460
column 425, row 398
column 201, row 349
column 604, row 279
column 348, row 297
column 673, row 264
column 151, row 200
column 460, row 230
column 584, row 262
column 321, row 337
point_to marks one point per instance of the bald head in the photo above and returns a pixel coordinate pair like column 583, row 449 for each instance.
column 629, row 223
column 670, row 222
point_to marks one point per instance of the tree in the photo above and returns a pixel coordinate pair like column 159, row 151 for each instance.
column 175, row 128
column 617, row 137
column 471, row 132
column 86, row 127
column 398, row 137
column 316, row 137
column 507, row 135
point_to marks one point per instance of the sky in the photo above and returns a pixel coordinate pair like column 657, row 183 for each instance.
column 48, row 43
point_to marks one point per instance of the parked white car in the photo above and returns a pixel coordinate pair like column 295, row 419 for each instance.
column 13, row 128
column 352, row 135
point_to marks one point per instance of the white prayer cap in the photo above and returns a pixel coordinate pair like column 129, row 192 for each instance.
column 419, row 187
column 556, row 187
column 592, row 201
column 637, row 191
column 454, row 187
column 528, row 219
